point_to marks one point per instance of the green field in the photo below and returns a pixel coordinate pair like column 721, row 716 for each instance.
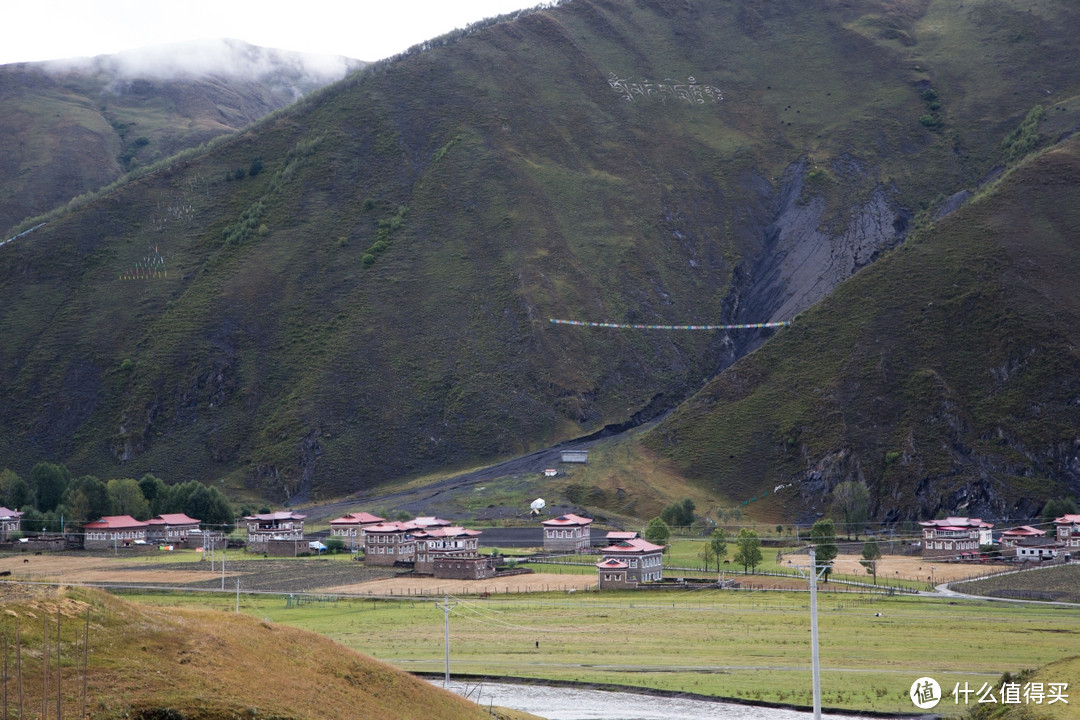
column 749, row 645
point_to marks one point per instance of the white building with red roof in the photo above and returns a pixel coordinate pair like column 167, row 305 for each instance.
column 952, row 536
column 351, row 526
column 1068, row 530
column 630, row 562
column 567, row 533
column 10, row 523
column 266, row 528
column 1010, row 537
column 172, row 529
column 113, row 531
column 437, row 546
column 387, row 543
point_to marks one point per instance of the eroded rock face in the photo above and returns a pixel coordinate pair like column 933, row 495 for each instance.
column 803, row 259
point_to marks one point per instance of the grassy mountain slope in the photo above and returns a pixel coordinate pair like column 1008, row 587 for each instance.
column 374, row 303
column 200, row 665
column 68, row 127
column 946, row 376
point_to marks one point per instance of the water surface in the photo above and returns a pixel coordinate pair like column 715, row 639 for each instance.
column 565, row 703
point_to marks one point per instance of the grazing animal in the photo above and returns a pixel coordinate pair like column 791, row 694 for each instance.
column 5, row 573
column 26, row 560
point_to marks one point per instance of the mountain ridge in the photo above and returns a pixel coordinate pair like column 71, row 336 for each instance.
column 373, row 303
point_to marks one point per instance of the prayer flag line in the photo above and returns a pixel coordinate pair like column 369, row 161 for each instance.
column 635, row 326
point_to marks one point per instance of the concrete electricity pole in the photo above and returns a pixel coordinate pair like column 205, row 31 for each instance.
column 813, row 576
column 446, row 606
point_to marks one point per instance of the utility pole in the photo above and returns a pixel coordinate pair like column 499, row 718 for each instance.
column 446, row 606
column 815, row 661
column 222, row 569
column 237, row 596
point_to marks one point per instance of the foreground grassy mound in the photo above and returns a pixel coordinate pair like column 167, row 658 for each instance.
column 190, row 664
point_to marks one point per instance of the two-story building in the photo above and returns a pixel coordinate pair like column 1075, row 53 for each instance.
column 283, row 527
column 172, row 529
column 1068, row 531
column 387, row 543
column 10, row 523
column 628, row 563
column 112, row 531
column 443, row 542
column 567, row 533
column 953, row 536
column 1009, row 538
column 350, row 527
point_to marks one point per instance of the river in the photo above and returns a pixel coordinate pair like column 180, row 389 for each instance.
column 567, row 703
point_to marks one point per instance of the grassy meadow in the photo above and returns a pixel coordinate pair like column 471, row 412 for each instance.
column 747, row 645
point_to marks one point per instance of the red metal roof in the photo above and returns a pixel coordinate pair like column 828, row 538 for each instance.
column 953, row 523
column 361, row 518
column 173, row 519
column 612, row 564
column 635, row 545
column 1067, row 519
column 115, row 522
column 279, row 515
column 447, row 532
column 7, row 513
column 565, row 520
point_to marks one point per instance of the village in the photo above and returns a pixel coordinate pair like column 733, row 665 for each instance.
column 430, row 546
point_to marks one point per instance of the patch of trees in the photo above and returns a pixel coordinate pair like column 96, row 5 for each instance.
column 679, row 514
column 53, row 499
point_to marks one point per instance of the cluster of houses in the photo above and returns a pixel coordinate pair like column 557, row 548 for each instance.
column 434, row 546
column 963, row 538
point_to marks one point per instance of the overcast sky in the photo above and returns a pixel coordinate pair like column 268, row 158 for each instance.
column 361, row 29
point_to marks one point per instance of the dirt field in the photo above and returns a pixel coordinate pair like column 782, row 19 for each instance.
column 537, row 582
column 326, row 576
column 907, row 567
column 88, row 569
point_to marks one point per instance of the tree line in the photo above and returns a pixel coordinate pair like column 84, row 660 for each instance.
column 52, row 500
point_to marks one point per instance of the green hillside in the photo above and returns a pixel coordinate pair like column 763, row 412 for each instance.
column 373, row 302
column 946, row 376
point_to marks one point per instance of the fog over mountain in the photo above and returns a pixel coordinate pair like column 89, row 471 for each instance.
column 221, row 57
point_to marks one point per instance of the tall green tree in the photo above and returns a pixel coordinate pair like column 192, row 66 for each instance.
column 748, row 549
column 871, row 555
column 14, row 492
column 209, row 505
column 156, row 493
column 657, row 531
column 48, row 482
column 179, row 495
column 851, row 506
column 87, row 499
column 823, row 538
column 680, row 514
column 718, row 542
column 127, row 498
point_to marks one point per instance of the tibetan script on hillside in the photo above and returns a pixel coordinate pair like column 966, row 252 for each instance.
column 690, row 91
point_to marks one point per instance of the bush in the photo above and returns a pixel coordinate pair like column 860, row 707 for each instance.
column 367, row 260
column 256, row 167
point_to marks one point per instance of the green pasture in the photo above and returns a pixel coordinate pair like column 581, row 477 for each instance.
column 750, row 645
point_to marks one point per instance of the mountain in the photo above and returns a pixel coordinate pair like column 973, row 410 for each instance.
column 68, row 127
column 945, row 377
column 373, row 303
